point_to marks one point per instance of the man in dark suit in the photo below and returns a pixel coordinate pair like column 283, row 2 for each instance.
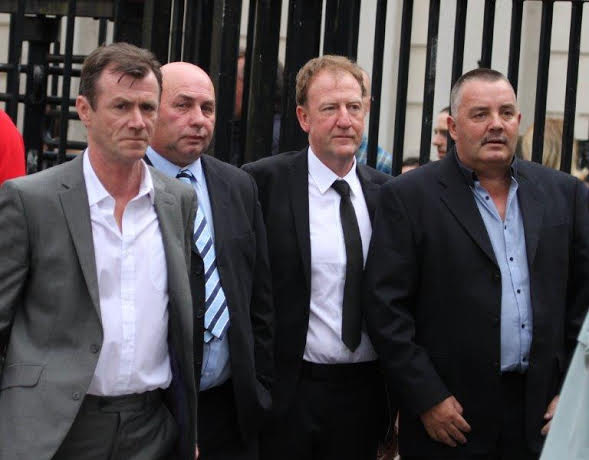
column 477, row 283
column 318, row 203
column 230, row 272
column 95, row 302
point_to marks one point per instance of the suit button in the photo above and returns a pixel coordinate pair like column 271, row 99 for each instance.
column 197, row 270
column 76, row 395
column 495, row 321
column 200, row 313
column 497, row 276
column 94, row 348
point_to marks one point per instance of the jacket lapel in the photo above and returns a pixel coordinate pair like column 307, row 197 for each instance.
column 218, row 189
column 299, row 201
column 530, row 205
column 370, row 190
column 456, row 194
column 169, row 216
column 74, row 201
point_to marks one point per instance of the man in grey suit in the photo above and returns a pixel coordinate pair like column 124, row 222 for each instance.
column 96, row 324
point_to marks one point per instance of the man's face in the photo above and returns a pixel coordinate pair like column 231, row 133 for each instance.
column 486, row 125
column 122, row 122
column 440, row 140
column 187, row 114
column 333, row 115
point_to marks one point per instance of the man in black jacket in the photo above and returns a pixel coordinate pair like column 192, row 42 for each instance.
column 318, row 206
column 477, row 283
column 230, row 272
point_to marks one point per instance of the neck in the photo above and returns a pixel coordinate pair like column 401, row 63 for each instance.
column 340, row 166
column 120, row 179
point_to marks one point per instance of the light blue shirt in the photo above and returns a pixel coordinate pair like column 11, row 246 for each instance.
column 215, row 368
column 384, row 160
column 509, row 245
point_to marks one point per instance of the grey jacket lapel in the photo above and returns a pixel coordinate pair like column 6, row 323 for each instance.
column 74, row 201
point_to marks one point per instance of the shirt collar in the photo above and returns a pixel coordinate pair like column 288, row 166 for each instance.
column 471, row 176
column 325, row 177
column 97, row 192
column 170, row 169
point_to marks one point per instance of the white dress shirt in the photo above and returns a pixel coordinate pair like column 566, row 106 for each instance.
column 133, row 291
column 328, row 265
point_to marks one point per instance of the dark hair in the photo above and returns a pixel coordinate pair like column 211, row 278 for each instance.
column 122, row 58
column 328, row 62
column 410, row 161
column 445, row 109
column 482, row 74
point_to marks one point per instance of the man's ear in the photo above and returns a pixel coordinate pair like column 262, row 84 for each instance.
column 452, row 127
column 83, row 108
column 303, row 118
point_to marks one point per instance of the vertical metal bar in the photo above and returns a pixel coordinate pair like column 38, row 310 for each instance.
column 249, row 50
column 570, row 102
column 156, row 27
column 302, row 44
column 67, row 73
column 459, row 36
column 225, row 43
column 177, row 30
column 342, row 20
column 377, row 62
column 198, row 32
column 515, row 42
column 14, row 57
column 128, row 22
column 263, row 81
column 402, row 85
column 542, row 81
column 102, row 27
column 488, row 24
column 429, row 85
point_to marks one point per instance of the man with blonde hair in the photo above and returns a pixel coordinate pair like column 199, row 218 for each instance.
column 318, row 203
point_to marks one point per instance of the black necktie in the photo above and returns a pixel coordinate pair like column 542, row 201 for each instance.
column 351, row 312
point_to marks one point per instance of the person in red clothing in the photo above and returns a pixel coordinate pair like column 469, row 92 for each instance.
column 12, row 150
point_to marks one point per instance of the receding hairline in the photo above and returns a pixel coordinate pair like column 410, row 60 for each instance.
column 481, row 74
column 176, row 70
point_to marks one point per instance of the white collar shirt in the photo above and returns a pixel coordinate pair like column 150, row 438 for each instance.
column 328, row 265
column 133, row 291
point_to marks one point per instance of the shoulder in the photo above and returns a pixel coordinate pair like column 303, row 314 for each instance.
column 274, row 164
column 43, row 182
column 232, row 174
column 372, row 175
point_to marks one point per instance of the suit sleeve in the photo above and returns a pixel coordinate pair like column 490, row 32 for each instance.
column 392, row 279
column 262, row 310
column 14, row 263
column 578, row 288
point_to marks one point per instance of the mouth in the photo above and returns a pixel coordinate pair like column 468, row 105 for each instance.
column 495, row 141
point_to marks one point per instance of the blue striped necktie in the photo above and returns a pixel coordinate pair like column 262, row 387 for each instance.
column 216, row 311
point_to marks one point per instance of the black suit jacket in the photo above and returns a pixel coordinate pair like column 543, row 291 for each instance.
column 434, row 292
column 284, row 195
column 242, row 260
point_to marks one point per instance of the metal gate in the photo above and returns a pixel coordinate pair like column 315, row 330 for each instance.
column 207, row 32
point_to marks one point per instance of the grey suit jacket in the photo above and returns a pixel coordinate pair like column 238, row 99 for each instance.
column 50, row 326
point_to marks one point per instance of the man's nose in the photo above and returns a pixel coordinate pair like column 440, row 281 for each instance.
column 136, row 121
column 344, row 118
